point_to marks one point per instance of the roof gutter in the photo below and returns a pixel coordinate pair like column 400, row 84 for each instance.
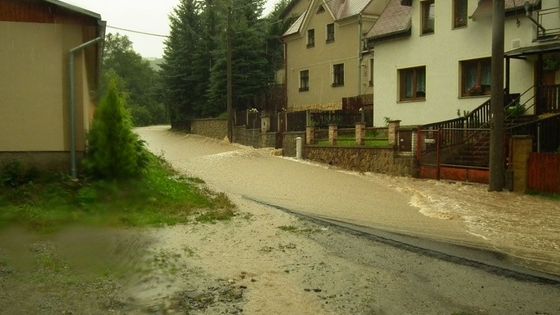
column 72, row 73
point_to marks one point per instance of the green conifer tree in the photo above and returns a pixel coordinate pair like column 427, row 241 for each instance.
column 114, row 151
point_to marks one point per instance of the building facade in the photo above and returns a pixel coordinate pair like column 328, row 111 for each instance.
column 37, row 36
column 325, row 59
column 432, row 57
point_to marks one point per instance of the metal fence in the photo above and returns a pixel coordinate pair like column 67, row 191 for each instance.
column 296, row 121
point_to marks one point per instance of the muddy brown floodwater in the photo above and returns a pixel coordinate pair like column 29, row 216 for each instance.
column 264, row 261
column 527, row 228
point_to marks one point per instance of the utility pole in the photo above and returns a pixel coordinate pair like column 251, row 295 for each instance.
column 229, row 77
column 497, row 132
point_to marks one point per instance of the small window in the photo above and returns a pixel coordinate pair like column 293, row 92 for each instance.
column 338, row 75
column 371, row 72
column 476, row 77
column 310, row 38
column 460, row 8
column 320, row 9
column 412, row 84
column 304, row 80
column 330, row 33
column 428, row 17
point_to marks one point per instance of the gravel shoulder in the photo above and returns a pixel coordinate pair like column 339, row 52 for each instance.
column 261, row 262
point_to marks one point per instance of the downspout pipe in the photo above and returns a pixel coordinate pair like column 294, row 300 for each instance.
column 360, row 56
column 72, row 81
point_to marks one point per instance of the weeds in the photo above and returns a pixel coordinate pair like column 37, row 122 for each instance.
column 159, row 197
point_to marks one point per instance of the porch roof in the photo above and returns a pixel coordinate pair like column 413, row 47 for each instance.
column 534, row 50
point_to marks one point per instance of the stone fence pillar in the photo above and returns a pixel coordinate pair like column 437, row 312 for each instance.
column 521, row 147
column 360, row 133
column 309, row 135
column 333, row 133
column 265, row 124
column 393, row 132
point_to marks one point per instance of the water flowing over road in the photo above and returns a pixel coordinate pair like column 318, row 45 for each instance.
column 527, row 228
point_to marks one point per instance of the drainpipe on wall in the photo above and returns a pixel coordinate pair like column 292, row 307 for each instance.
column 72, row 79
column 359, row 55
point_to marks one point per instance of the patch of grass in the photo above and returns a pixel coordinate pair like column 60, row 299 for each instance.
column 294, row 229
column 159, row 197
column 550, row 196
column 351, row 143
column 288, row 228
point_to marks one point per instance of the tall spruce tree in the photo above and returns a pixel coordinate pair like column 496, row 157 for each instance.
column 194, row 70
column 181, row 76
column 249, row 57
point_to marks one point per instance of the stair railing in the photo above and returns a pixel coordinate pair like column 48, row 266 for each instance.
column 479, row 119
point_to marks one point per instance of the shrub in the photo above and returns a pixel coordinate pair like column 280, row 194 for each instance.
column 14, row 174
column 114, row 151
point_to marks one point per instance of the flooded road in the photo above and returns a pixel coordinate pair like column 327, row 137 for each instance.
column 524, row 227
column 265, row 261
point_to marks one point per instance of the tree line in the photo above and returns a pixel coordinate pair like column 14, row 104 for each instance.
column 191, row 80
column 193, row 73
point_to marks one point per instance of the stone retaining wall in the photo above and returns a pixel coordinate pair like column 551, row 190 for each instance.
column 289, row 142
column 254, row 137
column 212, row 128
column 384, row 161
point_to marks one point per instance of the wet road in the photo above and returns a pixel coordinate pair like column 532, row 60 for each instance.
column 525, row 227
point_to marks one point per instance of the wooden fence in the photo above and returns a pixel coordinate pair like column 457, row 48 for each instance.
column 544, row 172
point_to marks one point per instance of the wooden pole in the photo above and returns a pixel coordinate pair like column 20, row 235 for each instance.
column 497, row 154
column 229, row 78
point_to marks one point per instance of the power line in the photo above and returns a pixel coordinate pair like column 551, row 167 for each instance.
column 137, row 32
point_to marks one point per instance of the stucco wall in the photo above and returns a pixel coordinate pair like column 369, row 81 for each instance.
column 441, row 53
column 363, row 159
column 34, row 87
column 212, row 128
column 320, row 59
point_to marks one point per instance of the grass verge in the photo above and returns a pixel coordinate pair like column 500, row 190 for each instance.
column 351, row 143
column 159, row 197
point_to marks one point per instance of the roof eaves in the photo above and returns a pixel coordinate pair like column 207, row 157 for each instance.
column 74, row 8
column 395, row 34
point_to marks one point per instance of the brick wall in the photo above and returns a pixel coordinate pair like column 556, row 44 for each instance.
column 363, row 159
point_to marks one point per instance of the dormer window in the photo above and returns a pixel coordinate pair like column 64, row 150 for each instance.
column 310, row 38
column 320, row 9
column 428, row 17
column 330, row 33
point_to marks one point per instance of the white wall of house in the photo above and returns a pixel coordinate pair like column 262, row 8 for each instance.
column 441, row 54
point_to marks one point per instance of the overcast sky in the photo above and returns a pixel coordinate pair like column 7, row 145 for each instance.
column 143, row 15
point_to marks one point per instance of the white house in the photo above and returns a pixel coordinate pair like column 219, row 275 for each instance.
column 432, row 57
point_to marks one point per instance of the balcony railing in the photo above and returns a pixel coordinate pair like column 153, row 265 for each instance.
column 549, row 23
